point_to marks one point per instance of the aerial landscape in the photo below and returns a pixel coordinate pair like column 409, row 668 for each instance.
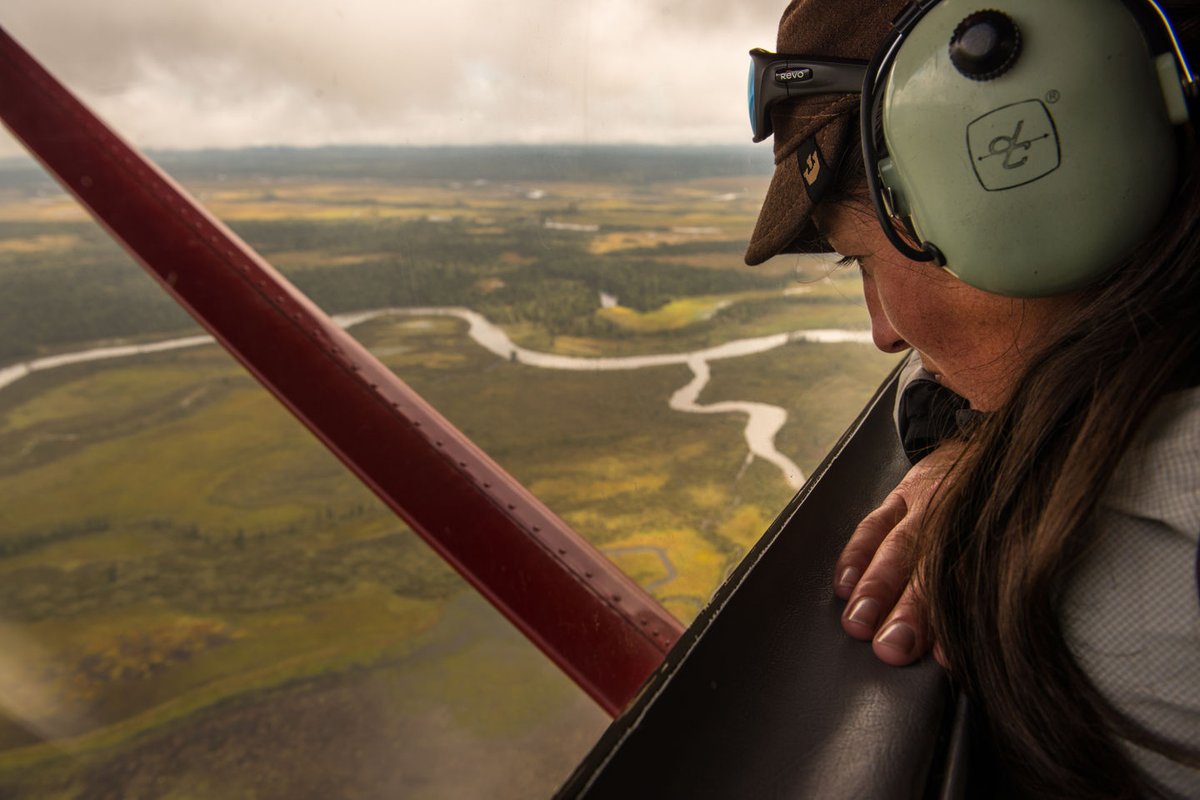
column 192, row 587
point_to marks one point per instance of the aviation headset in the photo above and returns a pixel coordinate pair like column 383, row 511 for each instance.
column 1035, row 151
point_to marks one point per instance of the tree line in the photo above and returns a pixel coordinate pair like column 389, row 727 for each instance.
column 93, row 290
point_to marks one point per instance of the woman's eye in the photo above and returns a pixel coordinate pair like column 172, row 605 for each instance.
column 851, row 261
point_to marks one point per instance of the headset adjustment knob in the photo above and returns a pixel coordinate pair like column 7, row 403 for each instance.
column 985, row 45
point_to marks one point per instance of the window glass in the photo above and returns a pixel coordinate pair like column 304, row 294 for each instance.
column 196, row 600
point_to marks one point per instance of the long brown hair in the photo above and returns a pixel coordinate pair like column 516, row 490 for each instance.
column 1002, row 540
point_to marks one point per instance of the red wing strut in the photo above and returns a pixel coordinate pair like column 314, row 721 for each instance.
column 583, row 612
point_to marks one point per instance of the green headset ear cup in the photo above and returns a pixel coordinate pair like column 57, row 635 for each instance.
column 1041, row 180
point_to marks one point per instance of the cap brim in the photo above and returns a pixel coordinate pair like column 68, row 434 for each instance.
column 785, row 222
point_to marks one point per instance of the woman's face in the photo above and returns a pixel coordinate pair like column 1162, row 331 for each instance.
column 975, row 343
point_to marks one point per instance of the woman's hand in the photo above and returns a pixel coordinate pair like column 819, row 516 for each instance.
column 875, row 570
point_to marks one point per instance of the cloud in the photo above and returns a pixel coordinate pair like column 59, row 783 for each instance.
column 227, row 73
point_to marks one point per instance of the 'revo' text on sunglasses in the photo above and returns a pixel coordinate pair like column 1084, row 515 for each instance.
column 775, row 77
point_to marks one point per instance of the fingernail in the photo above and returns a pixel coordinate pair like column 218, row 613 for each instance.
column 900, row 637
column 849, row 577
column 864, row 612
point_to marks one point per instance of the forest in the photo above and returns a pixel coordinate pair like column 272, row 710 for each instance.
column 629, row 164
column 81, row 288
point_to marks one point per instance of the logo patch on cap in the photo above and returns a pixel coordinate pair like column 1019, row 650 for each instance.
column 1013, row 145
column 813, row 169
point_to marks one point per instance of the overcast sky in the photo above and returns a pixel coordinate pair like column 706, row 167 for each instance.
column 229, row 73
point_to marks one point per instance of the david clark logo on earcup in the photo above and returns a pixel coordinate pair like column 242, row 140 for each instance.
column 1013, row 145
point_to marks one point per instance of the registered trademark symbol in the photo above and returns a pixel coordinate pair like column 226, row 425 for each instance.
column 1052, row 96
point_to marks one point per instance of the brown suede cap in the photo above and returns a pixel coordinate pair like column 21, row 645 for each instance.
column 812, row 132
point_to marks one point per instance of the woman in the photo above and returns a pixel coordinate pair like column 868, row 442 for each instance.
column 1047, row 551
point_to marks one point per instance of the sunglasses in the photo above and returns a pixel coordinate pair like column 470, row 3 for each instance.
column 775, row 78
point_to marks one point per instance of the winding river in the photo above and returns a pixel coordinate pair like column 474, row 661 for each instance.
column 762, row 421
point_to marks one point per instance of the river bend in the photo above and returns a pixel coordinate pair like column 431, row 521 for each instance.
column 763, row 421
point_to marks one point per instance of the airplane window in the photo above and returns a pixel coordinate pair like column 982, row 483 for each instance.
column 196, row 599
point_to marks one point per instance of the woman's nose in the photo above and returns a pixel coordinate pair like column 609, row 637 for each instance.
column 886, row 338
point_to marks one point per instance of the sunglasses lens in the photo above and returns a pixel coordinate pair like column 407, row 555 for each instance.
column 750, row 95
column 756, row 115
column 759, row 92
